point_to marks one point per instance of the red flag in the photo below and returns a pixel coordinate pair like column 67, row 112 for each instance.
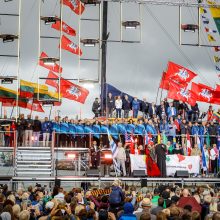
column 165, row 82
column 203, row 92
column 35, row 106
column 68, row 89
column 8, row 102
column 65, row 28
column 217, row 88
column 179, row 73
column 68, row 45
column 192, row 98
column 75, row 5
column 217, row 49
column 55, row 68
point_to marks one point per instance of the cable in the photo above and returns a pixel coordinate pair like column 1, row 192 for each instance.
column 174, row 43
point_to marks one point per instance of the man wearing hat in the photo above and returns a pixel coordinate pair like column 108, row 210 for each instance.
column 146, row 208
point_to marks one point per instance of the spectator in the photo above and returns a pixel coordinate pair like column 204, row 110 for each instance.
column 110, row 105
column 159, row 208
column 46, row 130
column 135, row 107
column 36, row 130
column 28, row 131
column 144, row 108
column 96, row 107
column 126, row 106
column 118, row 107
column 146, row 206
column 128, row 212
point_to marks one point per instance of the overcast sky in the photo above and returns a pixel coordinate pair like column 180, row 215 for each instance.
column 133, row 68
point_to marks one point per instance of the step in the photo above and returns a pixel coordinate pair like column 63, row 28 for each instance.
column 33, row 151
column 32, row 162
column 34, row 148
column 33, row 156
column 32, row 169
column 33, row 165
column 19, row 173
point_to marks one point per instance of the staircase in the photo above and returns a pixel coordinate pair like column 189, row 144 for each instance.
column 33, row 161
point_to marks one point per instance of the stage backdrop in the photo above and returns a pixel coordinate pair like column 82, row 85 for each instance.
column 173, row 163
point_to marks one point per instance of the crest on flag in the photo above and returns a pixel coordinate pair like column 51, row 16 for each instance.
column 73, row 46
column 74, row 3
column 74, row 91
column 184, row 93
column 183, row 74
column 206, row 94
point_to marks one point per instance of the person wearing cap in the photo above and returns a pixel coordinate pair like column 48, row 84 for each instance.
column 146, row 208
column 128, row 212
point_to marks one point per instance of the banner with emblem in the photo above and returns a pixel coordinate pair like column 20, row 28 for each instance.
column 179, row 73
column 65, row 28
column 205, row 93
column 68, row 89
column 70, row 46
column 75, row 5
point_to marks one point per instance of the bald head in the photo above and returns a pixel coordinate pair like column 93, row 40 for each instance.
column 185, row 192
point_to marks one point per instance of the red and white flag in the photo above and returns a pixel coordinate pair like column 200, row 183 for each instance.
column 65, row 28
column 68, row 45
column 179, row 73
column 68, row 89
column 75, row 5
column 188, row 144
column 55, row 68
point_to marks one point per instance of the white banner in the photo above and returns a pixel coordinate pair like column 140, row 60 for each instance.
column 173, row 163
column 138, row 162
column 179, row 162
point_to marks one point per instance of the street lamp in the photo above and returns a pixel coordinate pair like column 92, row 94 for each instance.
column 189, row 27
column 50, row 61
column 50, row 20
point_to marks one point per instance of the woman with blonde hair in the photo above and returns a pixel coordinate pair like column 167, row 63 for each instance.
column 161, row 216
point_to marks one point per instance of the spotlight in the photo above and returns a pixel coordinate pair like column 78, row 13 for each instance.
column 6, row 38
column 131, row 24
column 90, row 2
column 50, row 61
column 189, row 27
column 50, row 20
column 7, row 79
column 106, row 157
column 89, row 42
column 70, row 156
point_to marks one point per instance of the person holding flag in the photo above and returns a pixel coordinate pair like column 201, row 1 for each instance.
column 121, row 157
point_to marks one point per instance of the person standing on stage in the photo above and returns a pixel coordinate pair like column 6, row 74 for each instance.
column 95, row 155
column 160, row 151
column 121, row 158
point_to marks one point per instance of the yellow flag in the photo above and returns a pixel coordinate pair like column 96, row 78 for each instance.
column 211, row 38
column 216, row 59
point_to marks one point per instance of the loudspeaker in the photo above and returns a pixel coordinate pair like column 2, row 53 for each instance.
column 57, row 182
column 91, row 173
column 181, row 173
column 139, row 173
column 143, row 183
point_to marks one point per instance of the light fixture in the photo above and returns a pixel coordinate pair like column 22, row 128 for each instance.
column 50, row 20
column 49, row 61
column 106, row 157
column 8, row 0
column 7, row 79
column 90, row 2
column 49, row 103
column 88, row 85
column 89, row 42
column 6, row 38
column 189, row 27
column 131, row 24
column 70, row 155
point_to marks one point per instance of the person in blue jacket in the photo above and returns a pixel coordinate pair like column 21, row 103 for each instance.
column 171, row 111
column 46, row 128
column 128, row 212
column 135, row 107
column 195, row 131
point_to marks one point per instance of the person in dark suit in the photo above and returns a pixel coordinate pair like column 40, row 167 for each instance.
column 152, row 110
column 95, row 155
column 144, row 107
column 126, row 106
column 160, row 152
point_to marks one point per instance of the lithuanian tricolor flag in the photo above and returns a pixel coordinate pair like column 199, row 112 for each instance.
column 215, row 12
column 27, row 88
column 46, row 95
column 7, row 93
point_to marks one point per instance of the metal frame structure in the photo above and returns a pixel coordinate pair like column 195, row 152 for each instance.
column 17, row 77
column 121, row 26
column 96, row 80
column 60, row 49
column 198, row 44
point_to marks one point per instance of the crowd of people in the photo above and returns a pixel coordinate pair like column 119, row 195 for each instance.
column 173, row 120
column 116, row 202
